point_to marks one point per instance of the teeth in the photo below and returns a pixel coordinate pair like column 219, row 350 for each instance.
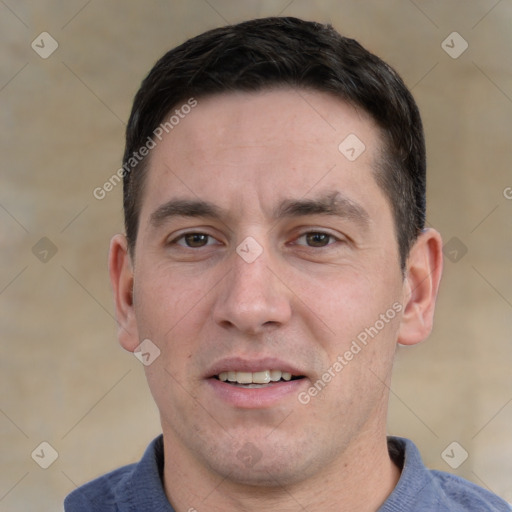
column 244, row 377
column 263, row 377
column 275, row 375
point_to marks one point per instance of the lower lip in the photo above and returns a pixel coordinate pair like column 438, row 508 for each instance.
column 256, row 398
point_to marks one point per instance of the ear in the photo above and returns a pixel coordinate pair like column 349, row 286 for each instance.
column 421, row 284
column 121, row 278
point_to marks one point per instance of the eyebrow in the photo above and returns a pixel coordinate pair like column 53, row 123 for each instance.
column 184, row 208
column 332, row 203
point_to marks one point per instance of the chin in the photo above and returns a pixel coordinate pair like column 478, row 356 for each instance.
column 263, row 474
column 264, row 464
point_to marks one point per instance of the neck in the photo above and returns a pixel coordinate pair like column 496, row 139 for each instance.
column 361, row 479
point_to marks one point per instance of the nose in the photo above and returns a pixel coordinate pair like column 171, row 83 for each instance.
column 253, row 298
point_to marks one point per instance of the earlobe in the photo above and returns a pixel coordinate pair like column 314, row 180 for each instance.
column 121, row 278
column 421, row 284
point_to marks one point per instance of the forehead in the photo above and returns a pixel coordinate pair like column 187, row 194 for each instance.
column 272, row 117
column 277, row 143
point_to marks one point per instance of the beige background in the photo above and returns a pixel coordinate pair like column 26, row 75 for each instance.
column 64, row 379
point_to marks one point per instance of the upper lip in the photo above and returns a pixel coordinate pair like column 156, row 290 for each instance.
column 233, row 364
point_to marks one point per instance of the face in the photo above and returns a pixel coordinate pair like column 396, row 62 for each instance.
column 267, row 274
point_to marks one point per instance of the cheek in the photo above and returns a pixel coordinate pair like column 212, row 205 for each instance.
column 173, row 309
column 342, row 298
column 169, row 312
column 359, row 312
column 162, row 298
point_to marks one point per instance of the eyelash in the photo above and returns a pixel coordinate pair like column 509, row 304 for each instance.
column 176, row 240
column 332, row 239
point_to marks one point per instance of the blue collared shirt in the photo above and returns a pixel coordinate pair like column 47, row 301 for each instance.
column 139, row 488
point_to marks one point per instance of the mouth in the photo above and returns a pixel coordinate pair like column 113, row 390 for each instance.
column 255, row 380
column 255, row 383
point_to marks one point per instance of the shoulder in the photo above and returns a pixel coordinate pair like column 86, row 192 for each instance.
column 133, row 487
column 99, row 494
column 421, row 489
column 467, row 495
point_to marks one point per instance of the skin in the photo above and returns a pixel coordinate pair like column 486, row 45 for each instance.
column 303, row 300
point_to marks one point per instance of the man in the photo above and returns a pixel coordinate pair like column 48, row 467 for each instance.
column 275, row 254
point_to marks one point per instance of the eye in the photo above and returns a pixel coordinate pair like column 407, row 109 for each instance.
column 316, row 239
column 194, row 240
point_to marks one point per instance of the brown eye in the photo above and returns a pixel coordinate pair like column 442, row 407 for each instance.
column 317, row 239
column 194, row 240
